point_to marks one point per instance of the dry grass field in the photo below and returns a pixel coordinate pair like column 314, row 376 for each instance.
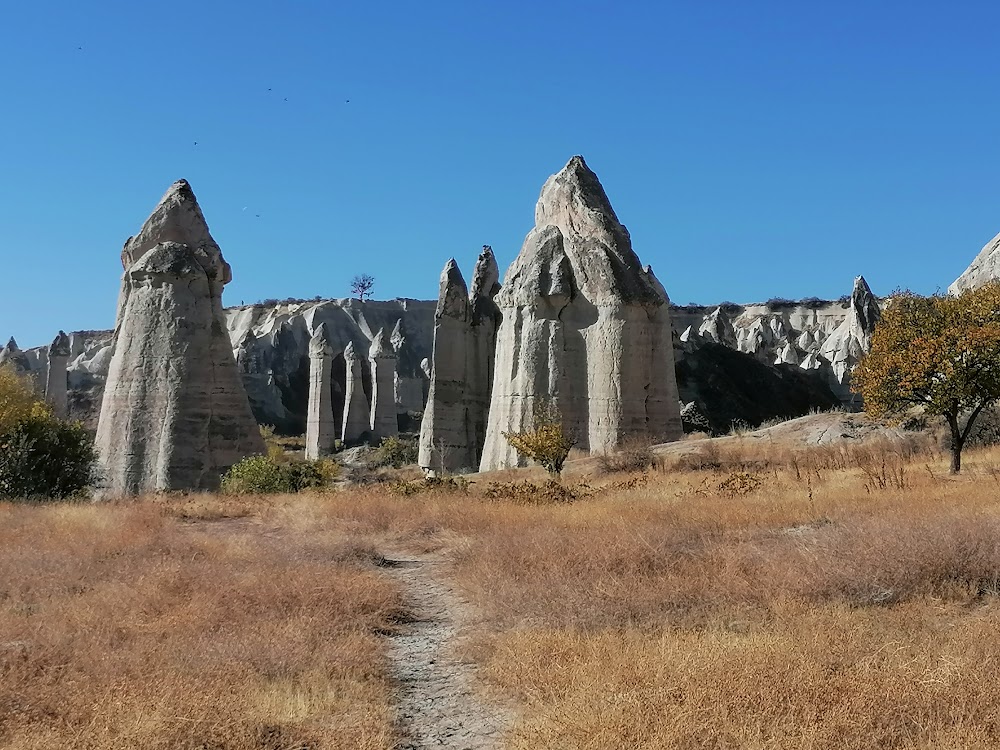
column 742, row 596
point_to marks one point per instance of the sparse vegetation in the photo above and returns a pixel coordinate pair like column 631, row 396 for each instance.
column 396, row 452
column 270, row 475
column 633, row 455
column 41, row 457
column 547, row 443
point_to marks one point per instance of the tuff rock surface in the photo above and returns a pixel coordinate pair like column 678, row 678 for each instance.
column 382, row 357
column 453, row 431
column 584, row 327
column 55, row 375
column 984, row 268
column 357, row 414
column 320, row 426
column 174, row 414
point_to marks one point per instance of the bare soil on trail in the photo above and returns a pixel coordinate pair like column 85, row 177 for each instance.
column 438, row 705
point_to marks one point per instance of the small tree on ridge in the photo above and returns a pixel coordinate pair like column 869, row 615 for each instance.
column 362, row 285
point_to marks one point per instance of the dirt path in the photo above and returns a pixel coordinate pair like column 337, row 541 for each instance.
column 438, row 706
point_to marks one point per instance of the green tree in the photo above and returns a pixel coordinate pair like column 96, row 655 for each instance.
column 939, row 352
column 41, row 457
column 547, row 443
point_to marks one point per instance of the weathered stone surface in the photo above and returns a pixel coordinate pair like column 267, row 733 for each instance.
column 283, row 329
column 852, row 339
column 55, row 376
column 984, row 269
column 174, row 415
column 584, row 327
column 410, row 383
column 12, row 356
column 444, row 439
column 484, row 321
column 382, row 357
column 357, row 422
column 320, row 427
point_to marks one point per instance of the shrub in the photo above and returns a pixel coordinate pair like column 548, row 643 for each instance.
column 633, row 455
column 267, row 475
column 255, row 475
column 395, row 452
column 430, row 484
column 45, row 458
column 41, row 457
column 547, row 443
column 550, row 492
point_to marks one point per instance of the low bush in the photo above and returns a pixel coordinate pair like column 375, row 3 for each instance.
column 45, row 458
column 41, row 457
column 528, row 493
column 395, row 452
column 633, row 455
column 548, row 443
column 267, row 475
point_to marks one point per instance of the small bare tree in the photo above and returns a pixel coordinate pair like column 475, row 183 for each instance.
column 362, row 286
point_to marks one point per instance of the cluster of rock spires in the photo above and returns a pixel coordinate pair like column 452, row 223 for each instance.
column 52, row 382
column 453, row 430
column 829, row 338
column 578, row 323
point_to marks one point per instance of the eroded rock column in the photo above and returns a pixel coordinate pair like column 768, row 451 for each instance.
column 320, row 428
column 357, row 422
column 382, row 357
column 55, row 375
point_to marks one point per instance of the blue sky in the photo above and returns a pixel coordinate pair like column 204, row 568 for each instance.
column 753, row 149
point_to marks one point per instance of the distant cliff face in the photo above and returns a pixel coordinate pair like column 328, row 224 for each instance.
column 271, row 345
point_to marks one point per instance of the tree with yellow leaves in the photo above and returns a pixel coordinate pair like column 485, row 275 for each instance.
column 548, row 442
column 939, row 352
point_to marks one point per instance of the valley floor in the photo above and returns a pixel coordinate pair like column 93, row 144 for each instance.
column 745, row 595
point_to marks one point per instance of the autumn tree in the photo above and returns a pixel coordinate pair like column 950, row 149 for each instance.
column 361, row 286
column 547, row 443
column 941, row 353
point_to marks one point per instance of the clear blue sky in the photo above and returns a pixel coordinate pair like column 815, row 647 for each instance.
column 753, row 149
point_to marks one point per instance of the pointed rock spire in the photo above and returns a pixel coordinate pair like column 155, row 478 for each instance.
column 175, row 413
column 585, row 328
column 55, row 375
column 320, row 430
column 984, row 268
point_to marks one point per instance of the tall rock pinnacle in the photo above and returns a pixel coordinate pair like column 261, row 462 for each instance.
column 175, row 414
column 585, row 328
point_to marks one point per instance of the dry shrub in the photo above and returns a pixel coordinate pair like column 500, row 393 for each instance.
column 632, row 456
column 530, row 493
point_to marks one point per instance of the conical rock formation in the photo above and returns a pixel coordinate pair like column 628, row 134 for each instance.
column 453, row 432
column 175, row 415
column 584, row 327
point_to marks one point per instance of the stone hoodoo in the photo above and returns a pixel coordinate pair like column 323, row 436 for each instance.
column 453, row 432
column 410, row 382
column 444, row 440
column 12, row 356
column 484, row 320
column 852, row 339
column 382, row 356
column 174, row 415
column 320, row 429
column 584, row 327
column 984, row 269
column 356, row 413
column 55, row 375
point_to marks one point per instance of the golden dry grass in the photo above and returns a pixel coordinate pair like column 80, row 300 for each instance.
column 124, row 627
column 762, row 598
